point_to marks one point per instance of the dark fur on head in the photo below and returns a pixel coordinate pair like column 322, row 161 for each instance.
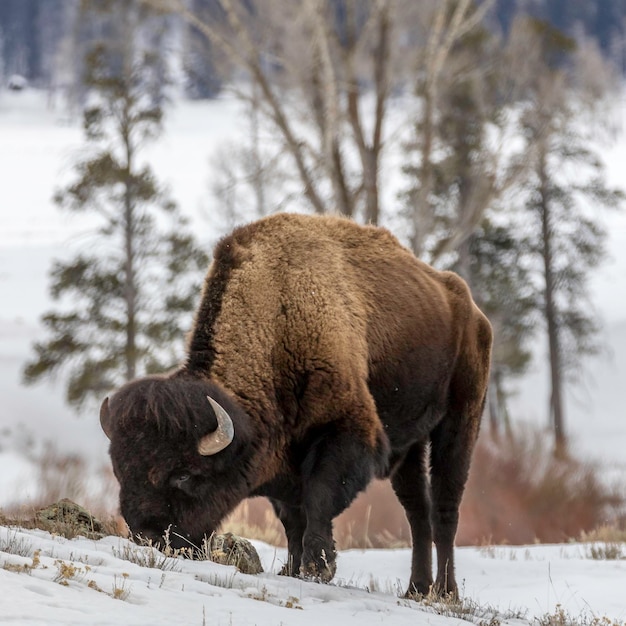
column 174, row 403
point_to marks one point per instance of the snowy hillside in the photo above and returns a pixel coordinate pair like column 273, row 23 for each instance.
column 50, row 580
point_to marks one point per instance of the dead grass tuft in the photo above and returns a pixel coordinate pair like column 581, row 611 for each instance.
column 560, row 617
column 607, row 533
column 16, row 544
column 469, row 610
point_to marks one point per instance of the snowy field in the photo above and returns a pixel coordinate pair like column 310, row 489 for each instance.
column 87, row 582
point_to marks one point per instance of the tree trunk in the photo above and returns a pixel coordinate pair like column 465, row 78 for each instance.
column 258, row 175
column 130, row 287
column 421, row 207
column 556, row 375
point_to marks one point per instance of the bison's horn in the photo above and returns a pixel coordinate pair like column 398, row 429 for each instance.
column 222, row 436
column 105, row 418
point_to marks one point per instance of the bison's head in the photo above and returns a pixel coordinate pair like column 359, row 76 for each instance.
column 179, row 449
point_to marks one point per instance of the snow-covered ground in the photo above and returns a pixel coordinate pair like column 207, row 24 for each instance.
column 75, row 582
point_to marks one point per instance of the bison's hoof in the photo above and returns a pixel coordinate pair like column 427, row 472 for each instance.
column 320, row 570
column 446, row 589
column 289, row 569
column 434, row 592
column 419, row 589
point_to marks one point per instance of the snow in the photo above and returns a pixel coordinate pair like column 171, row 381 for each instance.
column 520, row 583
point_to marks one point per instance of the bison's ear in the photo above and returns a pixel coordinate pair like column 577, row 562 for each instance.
column 105, row 418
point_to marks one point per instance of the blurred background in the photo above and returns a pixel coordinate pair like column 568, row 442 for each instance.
column 486, row 135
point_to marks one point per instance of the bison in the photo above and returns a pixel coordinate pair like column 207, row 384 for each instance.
column 323, row 354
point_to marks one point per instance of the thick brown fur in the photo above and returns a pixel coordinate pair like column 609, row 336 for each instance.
column 340, row 357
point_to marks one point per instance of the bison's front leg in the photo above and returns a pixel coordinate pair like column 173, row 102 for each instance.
column 339, row 465
column 294, row 522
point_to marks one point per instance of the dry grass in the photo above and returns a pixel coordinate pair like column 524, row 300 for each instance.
column 560, row 617
column 375, row 520
column 607, row 533
column 146, row 556
column 605, row 543
column 469, row 610
column 14, row 544
column 255, row 519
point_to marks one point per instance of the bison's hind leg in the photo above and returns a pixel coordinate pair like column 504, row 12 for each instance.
column 451, row 451
column 411, row 484
column 452, row 444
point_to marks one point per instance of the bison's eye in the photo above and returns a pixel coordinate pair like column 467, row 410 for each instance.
column 181, row 481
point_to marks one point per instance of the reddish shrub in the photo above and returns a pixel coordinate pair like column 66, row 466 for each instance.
column 519, row 492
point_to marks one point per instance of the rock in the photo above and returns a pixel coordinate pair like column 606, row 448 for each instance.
column 70, row 520
column 229, row 549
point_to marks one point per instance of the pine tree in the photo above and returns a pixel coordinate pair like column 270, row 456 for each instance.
column 128, row 300
column 564, row 193
column 500, row 272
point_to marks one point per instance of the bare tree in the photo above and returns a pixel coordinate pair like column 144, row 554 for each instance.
column 465, row 155
column 449, row 22
column 249, row 178
column 324, row 73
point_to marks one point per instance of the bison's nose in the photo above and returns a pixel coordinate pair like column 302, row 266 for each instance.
column 150, row 536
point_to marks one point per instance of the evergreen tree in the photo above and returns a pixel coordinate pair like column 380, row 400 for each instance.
column 500, row 272
column 129, row 298
column 565, row 191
